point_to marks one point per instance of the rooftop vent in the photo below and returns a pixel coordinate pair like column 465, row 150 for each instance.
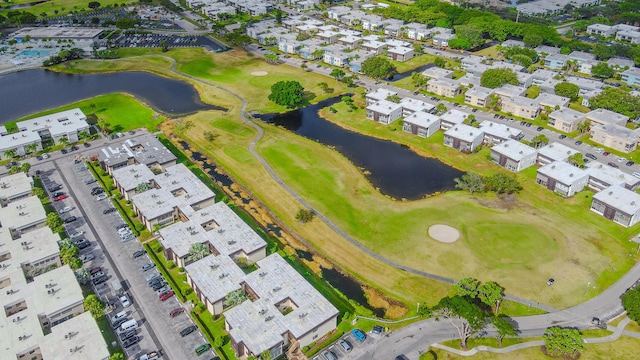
column 213, row 266
column 269, row 318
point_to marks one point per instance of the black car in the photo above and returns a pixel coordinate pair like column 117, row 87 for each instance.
column 158, row 285
column 139, row 253
column 591, row 156
column 57, row 193
column 97, row 191
column 613, row 165
column 100, row 280
column 70, row 219
column 563, row 136
column 109, row 210
column 116, row 324
column 127, row 334
column 64, row 151
column 630, row 163
column 578, row 142
column 121, row 226
column 188, row 330
column 130, row 342
column 83, row 244
column 528, row 124
column 87, row 145
column 55, row 187
column 540, row 128
column 39, row 157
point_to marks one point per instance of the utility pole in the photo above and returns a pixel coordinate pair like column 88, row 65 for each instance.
column 517, row 15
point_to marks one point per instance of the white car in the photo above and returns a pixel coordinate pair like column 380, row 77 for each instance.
column 101, row 197
column 65, row 209
column 45, row 156
column 599, row 150
column 124, row 300
column 76, row 234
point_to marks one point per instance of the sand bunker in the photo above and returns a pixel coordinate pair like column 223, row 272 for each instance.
column 259, row 73
column 444, row 233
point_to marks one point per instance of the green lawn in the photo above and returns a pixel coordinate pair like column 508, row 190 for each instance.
column 62, row 6
column 121, row 111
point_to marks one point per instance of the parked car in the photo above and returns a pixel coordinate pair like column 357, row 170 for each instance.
column 65, row 209
column 630, row 163
column 539, row 128
column 98, row 274
column 329, row 355
column 101, row 197
column 57, row 193
column 87, row 145
column 116, row 324
column 148, row 266
column 591, row 156
column 550, row 281
column 345, row 345
column 606, row 153
column 202, row 349
column 613, row 165
column 563, row 136
column 108, row 211
column 130, row 342
column 45, row 156
column 82, row 243
column 90, row 181
column 599, row 150
column 54, row 188
column 70, row 219
column 138, row 253
column 124, row 300
column 99, row 280
column 378, row 329
column 76, row 234
column 188, row 330
column 157, row 285
column 127, row 334
column 64, row 151
column 87, row 257
column 127, row 237
column 59, row 198
column 358, row 334
column 175, row 312
column 95, row 270
column 165, row 295
column 121, row 226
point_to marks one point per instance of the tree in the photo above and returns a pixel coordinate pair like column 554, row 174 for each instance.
column 265, row 355
column 25, row 167
column 560, row 341
column 317, row 54
column 502, row 184
column 142, row 187
column 31, row 148
column 117, row 356
column 378, row 68
column 439, row 62
column 65, row 243
column 287, row 93
column 54, row 222
column 494, row 78
column 618, row 99
column 83, row 275
column 491, row 294
column 463, row 314
column 584, row 127
column 470, row 182
column 602, row 70
column 418, row 80
column 164, row 45
column 68, row 255
column 337, row 74
column 539, row 140
column 94, row 305
column 11, row 153
column 63, row 140
column 504, row 328
column 467, row 287
column 441, row 108
column 271, row 58
column 93, row 5
column 567, row 89
column 603, row 51
column 278, row 14
column 532, row 40
column 631, row 303
column 13, row 170
column 198, row 251
column 523, row 60
column 39, row 192
column 305, row 215
column 577, row 160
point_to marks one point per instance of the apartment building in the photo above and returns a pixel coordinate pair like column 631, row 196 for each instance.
column 513, row 155
column 384, row 112
column 566, row 119
column 617, row 204
column 463, row 138
column 616, row 137
column 444, row 87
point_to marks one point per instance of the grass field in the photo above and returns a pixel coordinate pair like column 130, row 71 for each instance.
column 518, row 242
column 62, row 6
column 122, row 111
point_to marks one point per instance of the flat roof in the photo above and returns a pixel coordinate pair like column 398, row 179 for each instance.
column 481, row 92
column 514, row 150
column 260, row 325
column 380, row 94
column 437, row 72
column 58, row 32
column 78, row 338
column 64, row 287
column 499, row 130
column 22, row 213
column 605, row 116
column 146, row 149
column 634, row 71
column 415, row 104
column 400, row 50
column 454, row 116
column 216, row 276
column 464, row 132
column 216, row 224
column 619, row 131
column 58, row 124
column 568, row 114
column 620, row 198
column 522, row 101
column 41, row 243
column 129, row 177
column 610, row 175
column 384, row 107
column 545, row 99
column 563, row 172
column 445, row 82
column 19, row 139
column 556, row 151
column 350, row 39
column 397, row 43
column 15, row 185
column 509, row 90
column 21, row 333
column 423, row 119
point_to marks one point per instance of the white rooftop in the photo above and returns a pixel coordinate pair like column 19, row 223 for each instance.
column 415, row 104
column 145, row 149
column 514, row 150
column 499, row 130
column 620, row 198
column 22, row 213
column 464, row 132
column 567, row 114
column 479, row 91
column 80, row 334
column 556, row 151
column 437, row 72
column 384, row 107
column 610, row 175
column 129, row 177
column 422, row 119
column 58, row 124
column 15, row 185
column 260, row 324
column 563, row 172
column 216, row 276
column 380, row 94
column 454, row 116
column 607, row 117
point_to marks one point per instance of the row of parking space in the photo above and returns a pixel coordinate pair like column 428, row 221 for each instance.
column 153, row 40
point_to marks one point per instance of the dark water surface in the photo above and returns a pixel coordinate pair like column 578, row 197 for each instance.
column 27, row 92
column 395, row 169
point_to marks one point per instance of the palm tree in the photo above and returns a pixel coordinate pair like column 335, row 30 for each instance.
column 63, row 140
column 31, row 148
column 10, row 153
column 197, row 252
column 584, row 126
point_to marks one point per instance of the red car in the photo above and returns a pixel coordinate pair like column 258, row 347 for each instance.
column 175, row 312
column 165, row 295
column 61, row 197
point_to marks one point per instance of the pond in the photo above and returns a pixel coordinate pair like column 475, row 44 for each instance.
column 27, row 92
column 393, row 168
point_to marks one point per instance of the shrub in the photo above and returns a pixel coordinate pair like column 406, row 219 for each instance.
column 188, row 291
column 171, row 264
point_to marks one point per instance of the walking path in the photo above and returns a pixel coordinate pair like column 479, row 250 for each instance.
column 260, row 132
column 490, row 349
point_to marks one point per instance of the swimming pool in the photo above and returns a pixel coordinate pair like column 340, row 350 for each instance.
column 35, row 53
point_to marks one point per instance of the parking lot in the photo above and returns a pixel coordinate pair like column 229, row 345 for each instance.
column 156, row 329
column 358, row 348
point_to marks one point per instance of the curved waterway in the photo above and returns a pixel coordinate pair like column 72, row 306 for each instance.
column 394, row 169
column 27, row 92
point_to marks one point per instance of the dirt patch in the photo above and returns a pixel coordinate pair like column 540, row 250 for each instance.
column 444, row 233
column 506, row 202
column 259, row 73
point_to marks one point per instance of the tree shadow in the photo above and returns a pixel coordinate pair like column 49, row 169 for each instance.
column 307, row 97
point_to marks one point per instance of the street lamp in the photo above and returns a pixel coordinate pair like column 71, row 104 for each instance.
column 586, row 292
